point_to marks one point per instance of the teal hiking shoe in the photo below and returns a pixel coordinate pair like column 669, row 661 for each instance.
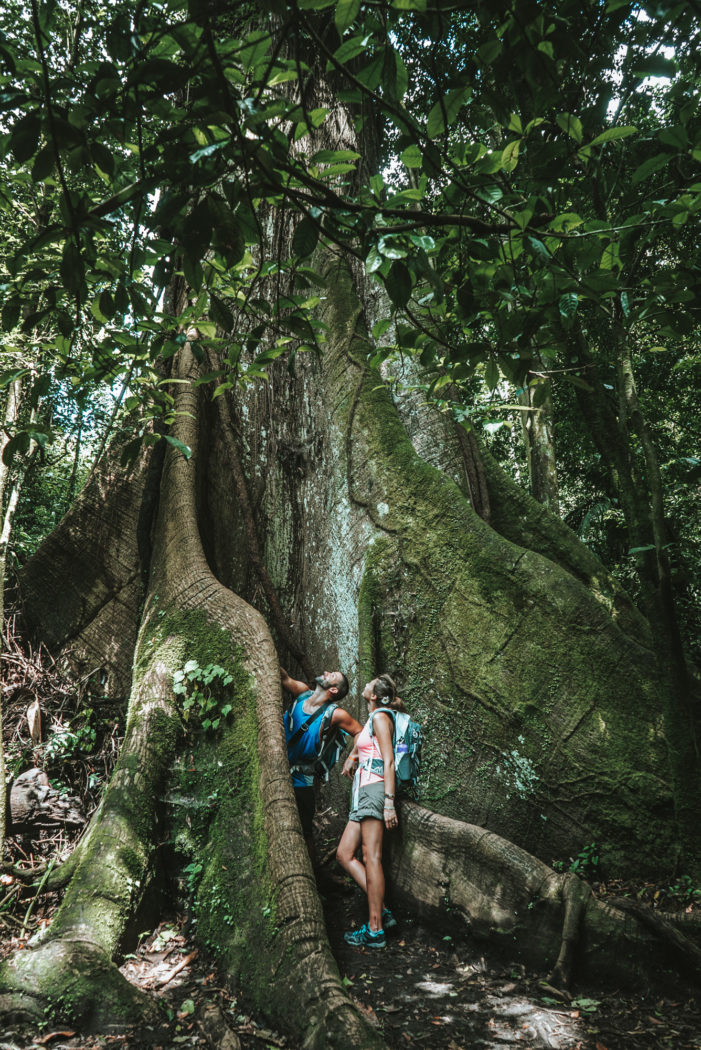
column 388, row 920
column 365, row 938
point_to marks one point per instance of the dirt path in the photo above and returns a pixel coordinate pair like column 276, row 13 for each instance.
column 426, row 989
column 440, row 990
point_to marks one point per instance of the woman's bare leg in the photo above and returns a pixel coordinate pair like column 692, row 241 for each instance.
column 371, row 835
column 346, row 854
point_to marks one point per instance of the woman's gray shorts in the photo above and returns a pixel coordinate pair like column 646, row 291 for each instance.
column 371, row 802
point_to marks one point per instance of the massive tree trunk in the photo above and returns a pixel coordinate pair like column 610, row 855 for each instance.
column 535, row 679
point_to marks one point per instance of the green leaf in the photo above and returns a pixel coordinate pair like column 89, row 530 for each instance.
column 43, row 164
column 489, row 51
column 572, row 125
column 186, row 451
column 352, row 47
column 103, row 158
column 24, row 137
column 412, row 157
column 314, row 5
column 567, row 305
column 374, row 260
column 346, row 14
column 569, row 220
column 371, row 75
column 491, row 373
column 220, row 313
column 674, row 136
column 398, row 284
column 444, row 112
column 107, row 305
column 305, row 237
column 71, row 267
column 333, row 156
column 11, row 312
column 509, row 157
column 258, row 45
column 97, row 312
column 18, row 443
column 409, row 5
column 379, row 329
column 539, row 249
column 649, row 166
column 611, row 134
column 401, row 83
column 391, row 248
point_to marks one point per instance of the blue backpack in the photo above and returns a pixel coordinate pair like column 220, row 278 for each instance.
column 314, row 748
column 407, row 741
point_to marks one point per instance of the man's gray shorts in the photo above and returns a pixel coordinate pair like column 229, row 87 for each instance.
column 371, row 802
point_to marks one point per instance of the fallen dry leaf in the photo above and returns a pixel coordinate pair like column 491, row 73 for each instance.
column 44, row 1039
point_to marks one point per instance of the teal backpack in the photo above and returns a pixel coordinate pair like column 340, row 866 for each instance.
column 316, row 746
column 407, row 742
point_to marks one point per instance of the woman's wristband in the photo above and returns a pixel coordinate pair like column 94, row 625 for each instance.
column 389, row 796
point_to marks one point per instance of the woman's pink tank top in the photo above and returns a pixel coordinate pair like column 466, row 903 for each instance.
column 368, row 748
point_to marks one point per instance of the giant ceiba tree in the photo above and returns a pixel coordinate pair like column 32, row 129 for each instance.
column 288, row 501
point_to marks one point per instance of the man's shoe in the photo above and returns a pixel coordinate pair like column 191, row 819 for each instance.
column 366, row 938
column 388, row 920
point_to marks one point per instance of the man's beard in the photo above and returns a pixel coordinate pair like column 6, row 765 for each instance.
column 325, row 683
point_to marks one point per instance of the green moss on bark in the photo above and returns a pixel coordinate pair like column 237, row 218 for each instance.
column 218, row 821
column 542, row 709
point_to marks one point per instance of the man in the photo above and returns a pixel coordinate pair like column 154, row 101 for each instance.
column 307, row 729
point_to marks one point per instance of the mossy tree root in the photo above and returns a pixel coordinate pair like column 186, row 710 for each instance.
column 73, row 981
column 260, row 912
column 550, row 920
column 256, row 904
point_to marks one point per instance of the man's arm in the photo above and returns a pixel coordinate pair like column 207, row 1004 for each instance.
column 340, row 719
column 291, row 685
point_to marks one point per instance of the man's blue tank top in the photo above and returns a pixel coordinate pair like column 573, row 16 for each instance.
column 307, row 746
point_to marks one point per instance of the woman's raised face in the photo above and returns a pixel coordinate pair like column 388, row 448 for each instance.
column 369, row 691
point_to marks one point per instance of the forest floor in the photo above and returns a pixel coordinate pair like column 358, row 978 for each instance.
column 429, row 988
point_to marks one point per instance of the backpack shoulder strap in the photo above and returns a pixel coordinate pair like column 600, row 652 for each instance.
column 386, row 711
column 328, row 715
column 304, row 726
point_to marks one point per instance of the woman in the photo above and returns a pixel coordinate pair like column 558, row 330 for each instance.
column 373, row 809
